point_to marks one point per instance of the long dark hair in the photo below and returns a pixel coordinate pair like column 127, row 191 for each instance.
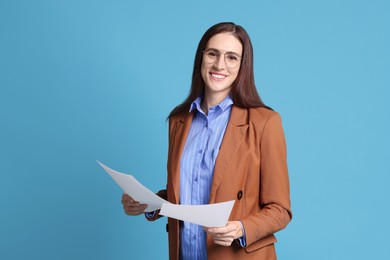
column 243, row 93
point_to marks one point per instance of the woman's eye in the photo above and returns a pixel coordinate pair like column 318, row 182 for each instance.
column 232, row 58
column 212, row 54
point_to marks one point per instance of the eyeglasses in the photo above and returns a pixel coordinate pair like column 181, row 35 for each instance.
column 232, row 59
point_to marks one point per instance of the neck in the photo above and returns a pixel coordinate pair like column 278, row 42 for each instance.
column 211, row 100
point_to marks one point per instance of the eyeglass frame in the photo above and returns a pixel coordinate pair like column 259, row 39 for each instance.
column 224, row 56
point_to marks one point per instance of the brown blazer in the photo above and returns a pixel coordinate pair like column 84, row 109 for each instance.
column 251, row 169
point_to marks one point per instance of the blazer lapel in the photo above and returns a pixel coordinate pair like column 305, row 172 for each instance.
column 180, row 136
column 234, row 133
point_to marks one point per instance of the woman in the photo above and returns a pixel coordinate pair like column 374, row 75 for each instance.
column 225, row 144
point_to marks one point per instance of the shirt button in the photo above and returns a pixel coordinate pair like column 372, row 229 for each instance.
column 193, row 237
column 200, row 151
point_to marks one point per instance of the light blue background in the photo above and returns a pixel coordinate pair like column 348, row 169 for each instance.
column 85, row 80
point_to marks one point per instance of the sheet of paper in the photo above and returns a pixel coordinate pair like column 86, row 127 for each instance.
column 210, row 215
column 135, row 189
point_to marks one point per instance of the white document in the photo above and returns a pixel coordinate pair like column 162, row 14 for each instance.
column 210, row 215
column 135, row 189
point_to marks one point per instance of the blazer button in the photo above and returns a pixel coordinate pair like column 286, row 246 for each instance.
column 239, row 195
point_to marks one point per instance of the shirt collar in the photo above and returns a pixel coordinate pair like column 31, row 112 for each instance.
column 225, row 104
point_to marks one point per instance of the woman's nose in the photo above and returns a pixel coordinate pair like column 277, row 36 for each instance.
column 220, row 62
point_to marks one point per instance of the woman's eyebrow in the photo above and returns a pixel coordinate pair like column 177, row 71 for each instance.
column 224, row 51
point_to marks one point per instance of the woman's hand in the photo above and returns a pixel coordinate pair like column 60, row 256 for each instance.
column 132, row 207
column 224, row 236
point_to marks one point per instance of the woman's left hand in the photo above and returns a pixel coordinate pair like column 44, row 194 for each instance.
column 224, row 236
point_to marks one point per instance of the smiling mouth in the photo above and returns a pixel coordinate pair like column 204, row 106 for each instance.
column 217, row 75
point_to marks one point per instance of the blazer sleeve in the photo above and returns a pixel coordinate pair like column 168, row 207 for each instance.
column 152, row 216
column 274, row 192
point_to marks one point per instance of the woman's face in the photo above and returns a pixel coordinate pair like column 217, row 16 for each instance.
column 221, row 64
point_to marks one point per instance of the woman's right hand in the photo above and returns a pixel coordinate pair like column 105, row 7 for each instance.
column 132, row 207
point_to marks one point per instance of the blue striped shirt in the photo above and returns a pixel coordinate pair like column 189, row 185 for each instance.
column 196, row 170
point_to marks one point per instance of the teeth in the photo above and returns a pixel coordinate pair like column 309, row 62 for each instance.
column 218, row 76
